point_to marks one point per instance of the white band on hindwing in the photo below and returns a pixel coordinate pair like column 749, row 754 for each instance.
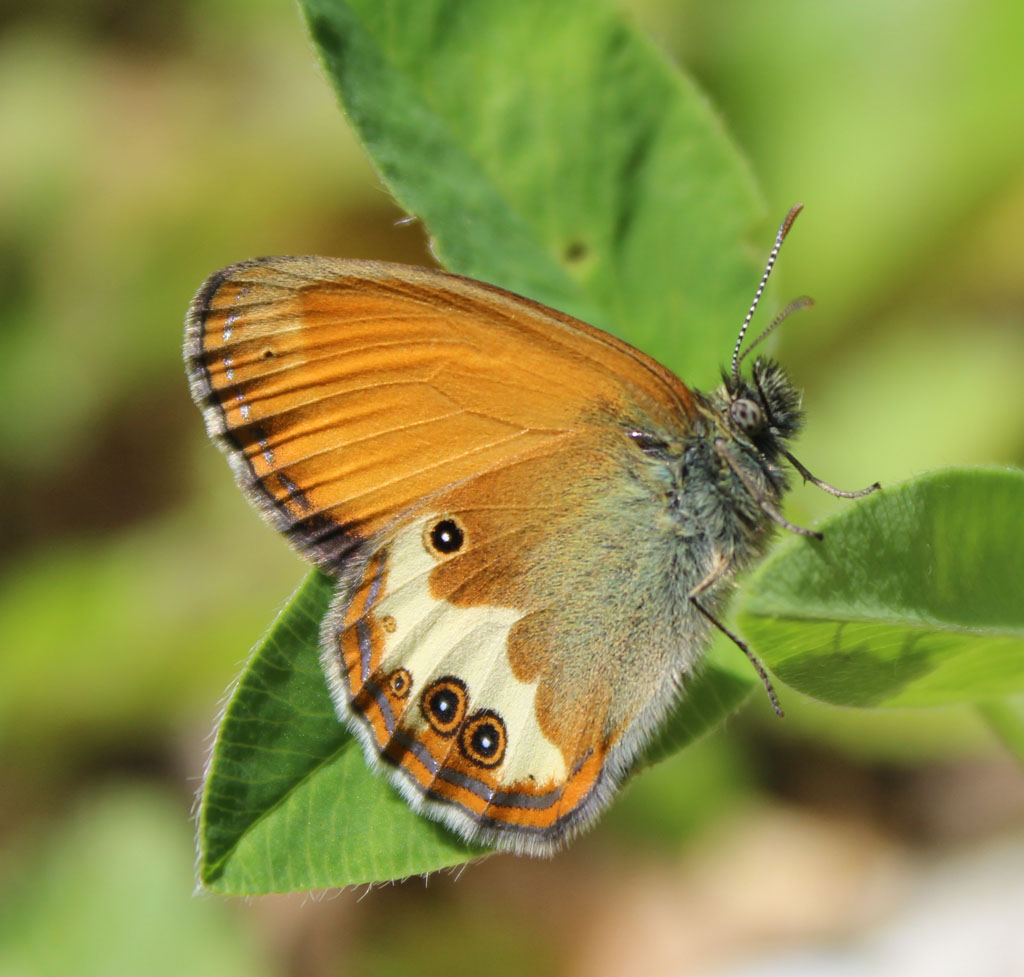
column 432, row 638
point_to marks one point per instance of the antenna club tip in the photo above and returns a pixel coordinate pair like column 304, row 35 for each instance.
column 794, row 212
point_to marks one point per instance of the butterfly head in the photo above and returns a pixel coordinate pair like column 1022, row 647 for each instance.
column 765, row 409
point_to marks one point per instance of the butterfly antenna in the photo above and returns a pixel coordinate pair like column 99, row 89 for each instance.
column 795, row 306
column 779, row 238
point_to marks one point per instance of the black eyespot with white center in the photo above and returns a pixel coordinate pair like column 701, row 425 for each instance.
column 443, row 704
column 446, row 536
column 483, row 739
column 747, row 415
column 399, row 683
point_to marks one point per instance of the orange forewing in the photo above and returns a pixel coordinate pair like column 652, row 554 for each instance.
column 355, row 390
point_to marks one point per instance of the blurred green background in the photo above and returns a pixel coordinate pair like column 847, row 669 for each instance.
column 143, row 146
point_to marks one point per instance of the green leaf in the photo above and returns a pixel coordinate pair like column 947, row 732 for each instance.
column 553, row 151
column 913, row 598
column 289, row 802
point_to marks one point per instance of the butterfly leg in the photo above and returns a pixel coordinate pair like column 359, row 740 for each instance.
column 824, row 486
column 716, row 573
column 767, row 506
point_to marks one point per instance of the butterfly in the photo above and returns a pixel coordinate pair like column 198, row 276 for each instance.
column 531, row 525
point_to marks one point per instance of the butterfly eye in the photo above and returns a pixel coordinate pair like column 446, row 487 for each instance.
column 482, row 740
column 444, row 704
column 747, row 415
column 446, row 537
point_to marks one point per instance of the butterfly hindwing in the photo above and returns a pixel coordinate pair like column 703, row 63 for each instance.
column 431, row 689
